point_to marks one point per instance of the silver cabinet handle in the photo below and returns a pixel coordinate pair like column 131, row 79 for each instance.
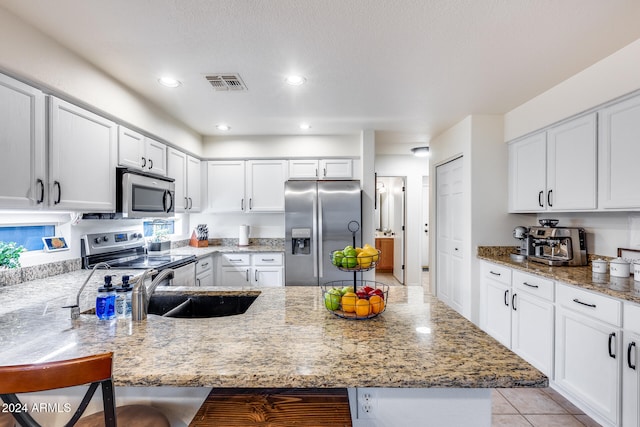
column 234, row 260
column 255, row 275
column 246, row 274
column 530, row 285
column 190, row 203
column 186, row 203
column 267, row 259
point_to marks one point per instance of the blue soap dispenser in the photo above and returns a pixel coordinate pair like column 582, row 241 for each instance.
column 106, row 300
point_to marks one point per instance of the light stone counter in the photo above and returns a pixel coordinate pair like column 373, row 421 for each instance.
column 213, row 249
column 286, row 339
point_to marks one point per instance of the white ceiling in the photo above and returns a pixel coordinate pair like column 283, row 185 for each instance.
column 408, row 69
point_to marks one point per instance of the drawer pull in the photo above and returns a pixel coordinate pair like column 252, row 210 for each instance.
column 205, row 265
column 267, row 259
column 513, row 302
column 576, row 300
column 494, row 273
column 630, row 348
column 506, row 297
column 234, row 260
column 530, row 285
column 612, row 335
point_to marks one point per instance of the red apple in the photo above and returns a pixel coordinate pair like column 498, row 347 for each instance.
column 362, row 294
column 367, row 289
column 377, row 292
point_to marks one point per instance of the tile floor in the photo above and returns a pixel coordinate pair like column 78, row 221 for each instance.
column 527, row 407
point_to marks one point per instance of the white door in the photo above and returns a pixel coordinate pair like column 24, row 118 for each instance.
column 527, row 174
column 498, row 311
column 225, row 187
column 571, row 165
column 82, row 159
column 194, row 184
column 398, row 226
column 22, row 141
column 156, row 157
column 619, row 151
column 176, row 169
column 130, row 148
column 450, row 286
column 532, row 330
column 425, row 222
column 630, row 379
column 265, row 185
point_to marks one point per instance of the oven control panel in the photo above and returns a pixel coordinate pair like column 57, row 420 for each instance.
column 98, row 243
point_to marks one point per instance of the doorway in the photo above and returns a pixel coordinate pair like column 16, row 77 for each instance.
column 424, row 243
column 390, row 219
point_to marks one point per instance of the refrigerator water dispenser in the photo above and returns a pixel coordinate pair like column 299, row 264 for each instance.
column 301, row 241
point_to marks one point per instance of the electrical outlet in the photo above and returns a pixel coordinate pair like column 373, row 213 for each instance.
column 366, row 404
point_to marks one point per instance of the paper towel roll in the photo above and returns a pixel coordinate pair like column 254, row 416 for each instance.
column 243, row 236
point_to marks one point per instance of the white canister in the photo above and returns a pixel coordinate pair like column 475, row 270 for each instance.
column 636, row 272
column 243, row 235
column 619, row 268
column 599, row 266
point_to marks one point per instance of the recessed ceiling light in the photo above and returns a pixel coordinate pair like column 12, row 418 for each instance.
column 169, row 82
column 420, row 151
column 223, row 126
column 305, row 126
column 295, row 80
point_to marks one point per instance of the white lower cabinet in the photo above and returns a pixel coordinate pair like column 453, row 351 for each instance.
column 204, row 271
column 588, row 357
column 496, row 284
column 630, row 368
column 260, row 269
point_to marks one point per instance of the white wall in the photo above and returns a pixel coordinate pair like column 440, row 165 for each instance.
column 413, row 168
column 281, row 146
column 29, row 55
column 612, row 77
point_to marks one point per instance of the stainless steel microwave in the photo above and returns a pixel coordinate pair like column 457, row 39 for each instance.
column 143, row 195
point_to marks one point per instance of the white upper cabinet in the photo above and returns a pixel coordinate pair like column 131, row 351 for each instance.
column 619, row 174
column 82, row 159
column 186, row 172
column 194, row 184
column 225, row 189
column 137, row 151
column 265, row 185
column 321, row 169
column 22, row 141
column 555, row 170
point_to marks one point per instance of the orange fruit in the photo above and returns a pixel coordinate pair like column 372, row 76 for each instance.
column 377, row 304
column 348, row 302
column 363, row 308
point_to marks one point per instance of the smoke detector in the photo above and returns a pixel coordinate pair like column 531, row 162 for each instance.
column 226, row 82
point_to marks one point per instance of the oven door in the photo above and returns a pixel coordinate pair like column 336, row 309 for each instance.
column 144, row 195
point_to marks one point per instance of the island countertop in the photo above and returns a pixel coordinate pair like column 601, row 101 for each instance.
column 286, row 339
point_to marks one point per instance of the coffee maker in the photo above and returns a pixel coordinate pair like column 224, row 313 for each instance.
column 557, row 246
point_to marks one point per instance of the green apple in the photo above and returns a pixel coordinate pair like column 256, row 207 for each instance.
column 348, row 248
column 346, row 289
column 337, row 257
column 332, row 299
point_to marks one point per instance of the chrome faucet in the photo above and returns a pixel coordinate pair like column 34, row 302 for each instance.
column 141, row 295
column 75, row 309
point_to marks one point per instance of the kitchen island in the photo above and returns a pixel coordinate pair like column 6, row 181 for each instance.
column 286, row 339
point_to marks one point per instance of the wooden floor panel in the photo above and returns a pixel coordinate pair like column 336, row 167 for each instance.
column 274, row 408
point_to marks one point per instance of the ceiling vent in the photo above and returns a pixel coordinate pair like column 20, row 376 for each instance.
column 226, row 82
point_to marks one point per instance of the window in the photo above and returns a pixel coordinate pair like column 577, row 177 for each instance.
column 158, row 228
column 28, row 236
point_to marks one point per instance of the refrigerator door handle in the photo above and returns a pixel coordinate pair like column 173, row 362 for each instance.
column 320, row 248
column 314, row 237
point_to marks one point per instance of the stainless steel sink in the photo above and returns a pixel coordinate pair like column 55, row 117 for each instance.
column 199, row 306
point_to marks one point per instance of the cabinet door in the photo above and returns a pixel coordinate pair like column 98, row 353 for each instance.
column 155, row 157
column 130, row 148
column 235, row 276
column 82, row 159
column 336, row 169
column 572, row 165
column 205, row 279
column 194, row 184
column 265, row 185
column 22, row 141
column 587, row 362
column 619, row 151
column 532, row 331
column 498, row 312
column 225, row 188
column 527, row 174
column 267, row 276
column 177, row 169
column 385, row 263
column 303, row 169
column 630, row 379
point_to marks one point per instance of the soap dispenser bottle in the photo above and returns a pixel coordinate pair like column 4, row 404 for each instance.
column 123, row 299
column 106, row 300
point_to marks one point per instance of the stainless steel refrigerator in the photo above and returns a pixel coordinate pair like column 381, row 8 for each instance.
column 319, row 217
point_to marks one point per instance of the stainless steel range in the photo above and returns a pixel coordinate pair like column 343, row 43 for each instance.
column 127, row 250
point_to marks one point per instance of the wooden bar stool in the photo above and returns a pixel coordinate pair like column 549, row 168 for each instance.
column 93, row 370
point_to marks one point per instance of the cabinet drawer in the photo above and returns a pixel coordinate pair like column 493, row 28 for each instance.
column 534, row 285
column 235, row 259
column 204, row 264
column 597, row 306
column 267, row 258
column 631, row 317
column 496, row 272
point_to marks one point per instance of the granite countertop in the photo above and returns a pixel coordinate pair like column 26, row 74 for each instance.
column 581, row 276
column 285, row 339
column 212, row 249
